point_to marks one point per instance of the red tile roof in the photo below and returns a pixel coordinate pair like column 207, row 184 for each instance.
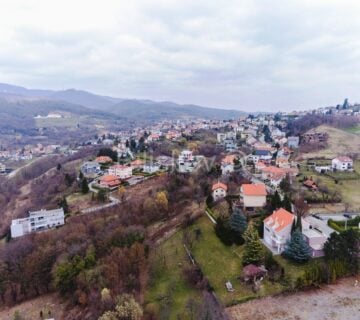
column 280, row 219
column 254, row 189
column 219, row 185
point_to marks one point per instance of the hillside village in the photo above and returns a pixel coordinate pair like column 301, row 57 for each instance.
column 212, row 212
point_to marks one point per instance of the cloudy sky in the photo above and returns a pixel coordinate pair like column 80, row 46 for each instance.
column 250, row 55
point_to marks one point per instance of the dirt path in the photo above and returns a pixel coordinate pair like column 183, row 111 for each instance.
column 49, row 304
column 333, row 302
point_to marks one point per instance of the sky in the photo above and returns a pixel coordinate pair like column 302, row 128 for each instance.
column 249, row 54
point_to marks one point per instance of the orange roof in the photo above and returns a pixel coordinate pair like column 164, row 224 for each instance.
column 272, row 169
column 219, row 185
column 280, row 219
column 260, row 164
column 108, row 178
column 119, row 166
column 254, row 189
column 137, row 162
column 343, row 159
column 103, row 159
column 310, row 183
column 229, row 159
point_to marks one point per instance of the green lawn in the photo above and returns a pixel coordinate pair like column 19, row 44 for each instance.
column 349, row 189
column 355, row 129
column 168, row 292
column 221, row 263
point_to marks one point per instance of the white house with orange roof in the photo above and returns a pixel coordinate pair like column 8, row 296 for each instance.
column 253, row 195
column 277, row 229
column 342, row 163
column 227, row 164
column 120, row 171
column 219, row 190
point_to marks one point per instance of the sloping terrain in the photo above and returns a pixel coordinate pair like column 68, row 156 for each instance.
column 333, row 302
column 340, row 142
column 143, row 111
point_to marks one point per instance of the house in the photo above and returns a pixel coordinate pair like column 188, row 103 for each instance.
column 322, row 169
column 227, row 164
column 315, row 232
column 137, row 164
column 121, row 171
column 37, row 221
column 264, row 155
column 151, row 168
column 253, row 195
column 282, row 162
column 293, row 142
column 2, row 168
column 185, row 156
column 310, row 184
column 103, row 159
column 260, row 165
column 342, row 163
column 109, row 181
column 277, row 230
column 251, row 273
column 219, row 191
column 90, row 168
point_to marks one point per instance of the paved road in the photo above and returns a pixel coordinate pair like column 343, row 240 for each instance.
column 113, row 201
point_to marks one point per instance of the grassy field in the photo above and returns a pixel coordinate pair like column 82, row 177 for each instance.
column 355, row 130
column 221, row 263
column 168, row 292
column 349, row 189
column 79, row 201
column 340, row 142
column 57, row 122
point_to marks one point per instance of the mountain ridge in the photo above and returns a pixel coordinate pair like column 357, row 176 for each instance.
column 133, row 108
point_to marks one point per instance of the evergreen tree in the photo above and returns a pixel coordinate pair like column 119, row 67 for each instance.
column 237, row 221
column 276, row 201
column 297, row 249
column 344, row 246
column 253, row 252
column 286, row 203
column 63, row 204
column 81, row 175
column 84, row 186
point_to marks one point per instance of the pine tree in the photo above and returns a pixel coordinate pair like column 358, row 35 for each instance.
column 63, row 204
column 297, row 249
column 254, row 252
column 286, row 204
column 276, row 201
column 84, row 186
column 237, row 221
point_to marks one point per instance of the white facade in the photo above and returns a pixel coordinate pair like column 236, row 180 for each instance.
column 185, row 156
column 227, row 168
column 251, row 201
column 218, row 193
column 148, row 168
column 121, row 171
column 342, row 164
column 277, row 230
column 2, row 168
column 37, row 221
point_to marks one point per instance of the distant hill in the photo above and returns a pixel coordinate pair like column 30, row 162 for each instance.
column 340, row 142
column 136, row 111
column 18, row 114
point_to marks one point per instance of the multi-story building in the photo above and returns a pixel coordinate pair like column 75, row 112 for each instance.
column 37, row 221
column 342, row 163
column 121, row 171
